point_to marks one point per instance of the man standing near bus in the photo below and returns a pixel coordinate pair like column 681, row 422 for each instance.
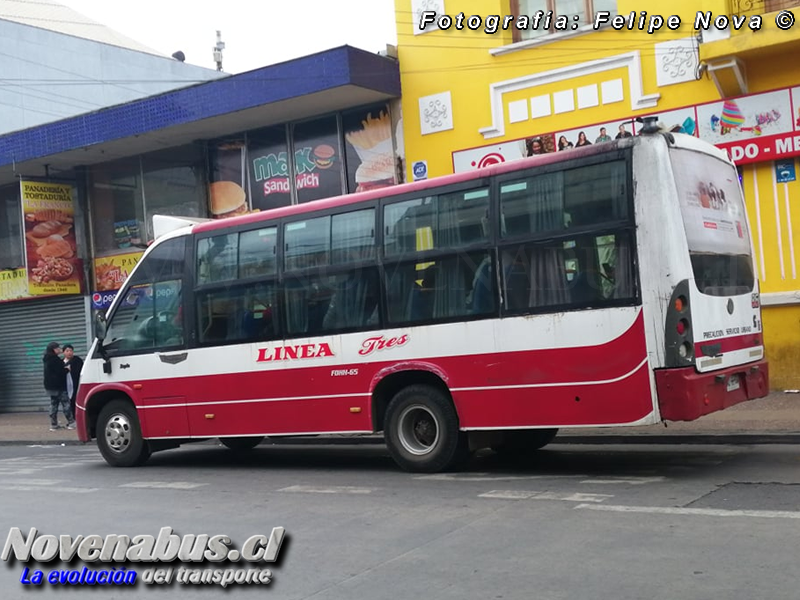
column 55, row 383
column 73, row 364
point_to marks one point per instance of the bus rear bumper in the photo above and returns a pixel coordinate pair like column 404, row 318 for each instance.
column 686, row 395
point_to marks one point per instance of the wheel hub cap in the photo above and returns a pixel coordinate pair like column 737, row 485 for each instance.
column 418, row 431
column 118, row 433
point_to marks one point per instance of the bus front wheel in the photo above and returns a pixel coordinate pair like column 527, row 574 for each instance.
column 241, row 444
column 421, row 430
column 119, row 435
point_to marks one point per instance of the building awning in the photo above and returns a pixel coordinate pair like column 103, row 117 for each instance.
column 312, row 85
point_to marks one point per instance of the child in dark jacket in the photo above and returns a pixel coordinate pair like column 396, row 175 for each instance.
column 55, row 383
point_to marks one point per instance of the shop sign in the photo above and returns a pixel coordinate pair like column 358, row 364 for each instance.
column 102, row 300
column 477, row 158
column 420, row 170
column 110, row 272
column 272, row 170
column 13, row 284
column 50, row 248
column 756, row 128
column 784, row 171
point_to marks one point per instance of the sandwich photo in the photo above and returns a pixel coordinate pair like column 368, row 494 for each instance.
column 323, row 156
column 227, row 199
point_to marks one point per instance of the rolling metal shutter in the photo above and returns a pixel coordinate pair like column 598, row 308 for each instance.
column 26, row 327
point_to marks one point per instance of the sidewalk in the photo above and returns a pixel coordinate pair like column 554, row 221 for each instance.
column 774, row 419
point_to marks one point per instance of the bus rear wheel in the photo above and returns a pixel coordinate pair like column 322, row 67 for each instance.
column 119, row 435
column 241, row 444
column 421, row 430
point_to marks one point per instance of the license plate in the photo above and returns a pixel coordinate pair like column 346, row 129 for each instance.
column 733, row 383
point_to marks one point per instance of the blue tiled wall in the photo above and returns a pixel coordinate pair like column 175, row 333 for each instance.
column 291, row 79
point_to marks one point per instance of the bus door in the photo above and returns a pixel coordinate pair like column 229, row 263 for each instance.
column 145, row 342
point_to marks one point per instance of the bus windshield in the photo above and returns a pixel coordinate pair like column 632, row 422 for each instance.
column 713, row 211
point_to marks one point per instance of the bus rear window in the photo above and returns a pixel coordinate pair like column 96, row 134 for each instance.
column 715, row 221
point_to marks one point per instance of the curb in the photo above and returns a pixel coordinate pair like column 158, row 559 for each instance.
column 41, row 443
column 709, row 439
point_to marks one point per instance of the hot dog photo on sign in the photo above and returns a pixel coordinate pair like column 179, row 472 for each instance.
column 370, row 152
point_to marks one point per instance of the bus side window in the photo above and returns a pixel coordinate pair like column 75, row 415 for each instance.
column 449, row 287
column 535, row 276
column 216, row 258
column 296, row 306
column 236, row 314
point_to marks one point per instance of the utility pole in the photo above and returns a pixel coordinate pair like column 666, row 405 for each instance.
column 220, row 46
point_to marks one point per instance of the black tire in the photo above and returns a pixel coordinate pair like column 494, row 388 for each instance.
column 241, row 444
column 421, row 430
column 119, row 435
column 525, row 441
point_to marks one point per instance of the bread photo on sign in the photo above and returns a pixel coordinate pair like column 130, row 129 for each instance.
column 56, row 246
column 42, row 232
column 45, row 229
column 227, row 199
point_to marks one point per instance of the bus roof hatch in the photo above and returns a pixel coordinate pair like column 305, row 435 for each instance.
column 164, row 224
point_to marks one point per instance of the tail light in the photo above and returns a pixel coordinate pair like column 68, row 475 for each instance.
column 678, row 328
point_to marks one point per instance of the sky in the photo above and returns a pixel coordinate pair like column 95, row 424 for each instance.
column 255, row 33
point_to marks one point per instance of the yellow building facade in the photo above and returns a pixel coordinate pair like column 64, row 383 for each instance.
column 476, row 93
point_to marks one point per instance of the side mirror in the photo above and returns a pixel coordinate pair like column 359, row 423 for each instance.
column 100, row 329
column 100, row 326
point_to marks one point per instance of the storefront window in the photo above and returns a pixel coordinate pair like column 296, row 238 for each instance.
column 269, row 168
column 10, row 235
column 115, row 191
column 126, row 194
column 174, row 184
column 227, row 178
column 318, row 164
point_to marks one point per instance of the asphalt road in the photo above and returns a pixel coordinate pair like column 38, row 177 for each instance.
column 621, row 522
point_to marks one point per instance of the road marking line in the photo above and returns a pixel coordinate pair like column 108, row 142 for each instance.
column 487, row 477
column 628, row 480
column 33, row 488
column 508, row 495
column 708, row 512
column 526, row 495
column 340, row 489
column 34, row 482
column 172, row 485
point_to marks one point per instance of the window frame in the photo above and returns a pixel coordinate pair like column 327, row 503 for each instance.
column 205, row 290
column 616, row 227
column 628, row 232
column 332, row 268
column 190, row 308
column 393, row 261
column 517, row 35
column 493, row 253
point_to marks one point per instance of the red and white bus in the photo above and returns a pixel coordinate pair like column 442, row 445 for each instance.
column 605, row 286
